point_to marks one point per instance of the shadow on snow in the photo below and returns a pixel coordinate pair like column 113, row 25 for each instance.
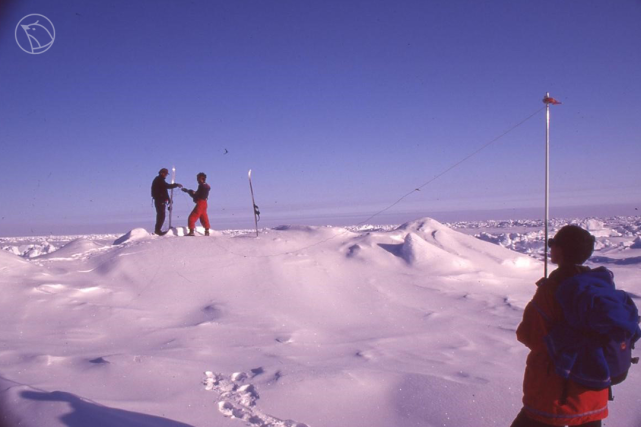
column 86, row 413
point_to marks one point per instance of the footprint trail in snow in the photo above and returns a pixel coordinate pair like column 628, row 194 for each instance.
column 238, row 400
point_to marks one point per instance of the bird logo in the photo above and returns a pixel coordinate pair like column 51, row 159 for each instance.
column 35, row 34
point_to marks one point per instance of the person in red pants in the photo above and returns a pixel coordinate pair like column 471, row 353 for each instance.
column 200, row 210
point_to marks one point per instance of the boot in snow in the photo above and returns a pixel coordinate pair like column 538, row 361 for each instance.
column 207, row 232
column 191, row 232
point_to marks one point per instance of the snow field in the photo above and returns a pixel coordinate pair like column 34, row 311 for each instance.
column 408, row 326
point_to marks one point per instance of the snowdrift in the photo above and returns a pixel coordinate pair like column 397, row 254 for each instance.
column 300, row 327
column 74, row 249
column 10, row 263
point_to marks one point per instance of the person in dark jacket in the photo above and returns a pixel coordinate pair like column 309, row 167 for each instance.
column 549, row 399
column 160, row 195
column 200, row 210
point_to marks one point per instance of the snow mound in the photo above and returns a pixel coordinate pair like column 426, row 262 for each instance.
column 131, row 236
column 417, row 251
column 31, row 250
column 597, row 228
column 12, row 261
column 452, row 250
column 425, row 225
column 74, row 249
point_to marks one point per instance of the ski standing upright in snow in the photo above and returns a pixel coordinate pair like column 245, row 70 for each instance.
column 254, row 206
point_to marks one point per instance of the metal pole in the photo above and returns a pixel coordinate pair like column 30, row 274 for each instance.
column 547, row 178
column 547, row 101
column 171, row 196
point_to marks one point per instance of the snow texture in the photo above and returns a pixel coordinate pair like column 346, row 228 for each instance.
column 369, row 326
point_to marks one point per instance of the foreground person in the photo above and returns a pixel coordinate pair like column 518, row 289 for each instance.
column 549, row 399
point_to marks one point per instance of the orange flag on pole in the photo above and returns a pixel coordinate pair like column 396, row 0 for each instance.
column 550, row 100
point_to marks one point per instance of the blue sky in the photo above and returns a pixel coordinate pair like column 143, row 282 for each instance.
column 338, row 107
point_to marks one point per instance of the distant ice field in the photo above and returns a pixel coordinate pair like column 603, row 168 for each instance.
column 525, row 236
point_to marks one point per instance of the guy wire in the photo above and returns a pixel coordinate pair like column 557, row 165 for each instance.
column 455, row 165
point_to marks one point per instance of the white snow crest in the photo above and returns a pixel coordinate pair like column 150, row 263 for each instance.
column 76, row 249
column 131, row 236
column 12, row 263
column 416, row 251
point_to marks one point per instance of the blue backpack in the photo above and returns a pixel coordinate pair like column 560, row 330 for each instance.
column 594, row 346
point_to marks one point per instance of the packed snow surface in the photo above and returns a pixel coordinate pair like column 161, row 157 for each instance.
column 412, row 325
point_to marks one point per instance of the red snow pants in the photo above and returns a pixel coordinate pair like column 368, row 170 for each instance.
column 199, row 212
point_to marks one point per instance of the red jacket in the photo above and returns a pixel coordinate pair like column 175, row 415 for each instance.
column 543, row 389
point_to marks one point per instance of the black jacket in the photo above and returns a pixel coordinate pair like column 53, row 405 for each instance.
column 159, row 189
column 201, row 194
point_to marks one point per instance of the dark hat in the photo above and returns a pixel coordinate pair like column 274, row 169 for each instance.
column 201, row 174
column 576, row 243
column 163, row 170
